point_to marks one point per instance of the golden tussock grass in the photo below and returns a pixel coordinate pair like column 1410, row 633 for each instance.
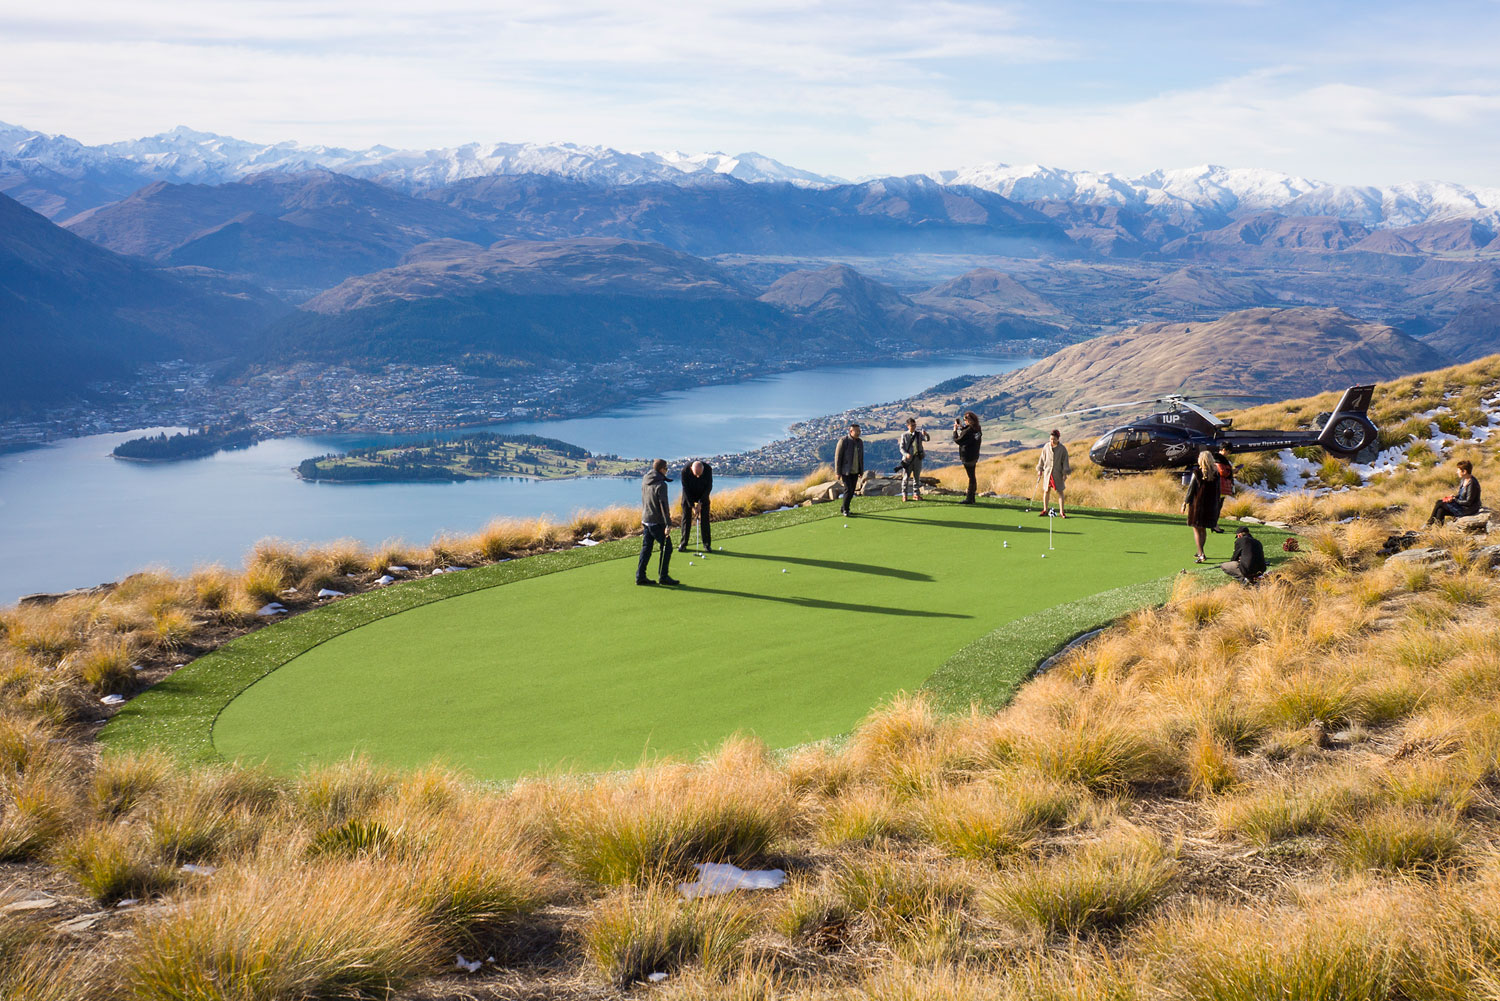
column 655, row 822
column 1104, row 885
column 331, row 930
column 1338, row 719
column 634, row 933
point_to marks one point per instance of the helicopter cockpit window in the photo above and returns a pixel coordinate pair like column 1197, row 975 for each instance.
column 1124, row 440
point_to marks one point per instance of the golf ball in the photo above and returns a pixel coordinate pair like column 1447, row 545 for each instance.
column 1005, row 545
column 783, row 570
column 1044, row 556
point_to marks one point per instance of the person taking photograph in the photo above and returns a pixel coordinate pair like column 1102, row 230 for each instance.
column 968, row 436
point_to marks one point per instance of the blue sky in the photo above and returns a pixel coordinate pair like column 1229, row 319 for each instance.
column 1348, row 92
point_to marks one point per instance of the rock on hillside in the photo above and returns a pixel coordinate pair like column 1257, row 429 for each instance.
column 72, row 312
column 1279, row 353
column 1473, row 333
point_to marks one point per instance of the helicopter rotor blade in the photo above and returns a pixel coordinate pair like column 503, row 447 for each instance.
column 1106, row 406
column 1171, row 398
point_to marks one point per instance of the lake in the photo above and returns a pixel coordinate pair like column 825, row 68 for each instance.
column 71, row 515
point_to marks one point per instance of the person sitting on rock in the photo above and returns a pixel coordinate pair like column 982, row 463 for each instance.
column 1461, row 504
column 1249, row 561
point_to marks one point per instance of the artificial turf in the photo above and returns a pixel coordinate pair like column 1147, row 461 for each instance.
column 791, row 634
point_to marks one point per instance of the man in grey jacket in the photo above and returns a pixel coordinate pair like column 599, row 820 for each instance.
column 849, row 462
column 656, row 519
column 912, row 452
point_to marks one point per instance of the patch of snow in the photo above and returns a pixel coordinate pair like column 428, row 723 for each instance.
column 393, row 568
column 383, row 581
column 715, row 878
column 113, row 700
column 274, row 608
column 329, row 592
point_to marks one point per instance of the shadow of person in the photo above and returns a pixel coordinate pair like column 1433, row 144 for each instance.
column 870, row 568
column 825, row 603
column 986, row 526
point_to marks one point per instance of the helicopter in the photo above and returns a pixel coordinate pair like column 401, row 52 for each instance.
column 1174, row 437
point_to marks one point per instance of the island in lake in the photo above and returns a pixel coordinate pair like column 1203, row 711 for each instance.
column 470, row 457
column 196, row 444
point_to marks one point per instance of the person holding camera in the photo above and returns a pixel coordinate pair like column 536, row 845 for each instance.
column 697, row 484
column 912, row 453
column 967, row 435
column 849, row 462
column 656, row 519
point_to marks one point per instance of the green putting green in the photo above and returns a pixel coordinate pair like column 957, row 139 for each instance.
column 790, row 634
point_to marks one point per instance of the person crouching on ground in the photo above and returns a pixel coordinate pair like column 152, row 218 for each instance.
column 912, row 453
column 656, row 519
column 1052, row 471
column 1249, row 561
column 1461, row 504
column 849, row 463
column 1202, row 500
column 967, row 434
column 697, row 484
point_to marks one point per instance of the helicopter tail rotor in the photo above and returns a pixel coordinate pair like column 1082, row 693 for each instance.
column 1349, row 430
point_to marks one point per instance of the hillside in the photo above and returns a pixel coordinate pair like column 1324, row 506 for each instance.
column 839, row 301
column 537, row 301
column 1473, row 333
column 720, row 215
column 1274, row 353
column 293, row 233
column 75, row 312
column 1284, row 791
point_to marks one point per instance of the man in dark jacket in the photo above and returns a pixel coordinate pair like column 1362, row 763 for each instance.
column 1249, row 561
column 656, row 519
column 1463, row 503
column 849, row 462
column 697, row 484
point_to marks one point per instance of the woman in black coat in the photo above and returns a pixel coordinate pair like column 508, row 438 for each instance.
column 968, row 436
column 1202, row 500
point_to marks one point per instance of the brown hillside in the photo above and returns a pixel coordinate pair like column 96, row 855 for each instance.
column 1278, row 353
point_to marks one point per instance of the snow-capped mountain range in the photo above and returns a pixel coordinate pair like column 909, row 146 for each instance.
column 93, row 175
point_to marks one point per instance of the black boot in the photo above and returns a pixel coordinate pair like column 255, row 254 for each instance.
column 666, row 561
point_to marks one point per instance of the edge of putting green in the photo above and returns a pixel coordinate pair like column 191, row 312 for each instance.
column 177, row 715
column 987, row 673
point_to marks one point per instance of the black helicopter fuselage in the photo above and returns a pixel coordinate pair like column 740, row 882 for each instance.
column 1173, row 438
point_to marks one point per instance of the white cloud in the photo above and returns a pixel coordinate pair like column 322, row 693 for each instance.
column 844, row 87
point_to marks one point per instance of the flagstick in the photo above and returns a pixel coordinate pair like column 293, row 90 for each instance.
column 1049, row 530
